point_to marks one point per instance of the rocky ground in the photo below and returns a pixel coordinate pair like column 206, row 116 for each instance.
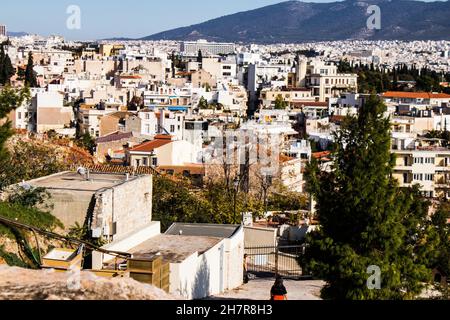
column 23, row 284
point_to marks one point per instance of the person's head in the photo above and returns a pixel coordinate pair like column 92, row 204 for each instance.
column 245, row 256
column 278, row 281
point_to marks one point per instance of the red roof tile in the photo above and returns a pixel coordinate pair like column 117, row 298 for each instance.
column 149, row 146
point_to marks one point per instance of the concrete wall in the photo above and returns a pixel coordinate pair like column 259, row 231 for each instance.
column 215, row 271
column 176, row 153
column 255, row 237
column 108, row 124
column 70, row 206
column 234, row 257
column 127, row 205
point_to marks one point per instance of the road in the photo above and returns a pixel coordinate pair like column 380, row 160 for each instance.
column 259, row 289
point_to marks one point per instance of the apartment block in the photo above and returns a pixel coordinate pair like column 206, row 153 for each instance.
column 427, row 166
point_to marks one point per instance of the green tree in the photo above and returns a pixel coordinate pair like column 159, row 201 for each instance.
column 6, row 68
column 29, row 160
column 280, row 104
column 203, row 104
column 441, row 222
column 365, row 218
column 30, row 75
column 173, row 202
column 87, row 142
column 10, row 99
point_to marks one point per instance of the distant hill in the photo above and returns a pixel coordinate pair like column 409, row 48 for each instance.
column 296, row 21
column 16, row 34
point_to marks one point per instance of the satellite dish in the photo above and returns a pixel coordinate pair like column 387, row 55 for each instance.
column 81, row 171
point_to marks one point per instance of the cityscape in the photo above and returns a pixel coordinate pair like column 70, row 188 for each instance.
column 228, row 160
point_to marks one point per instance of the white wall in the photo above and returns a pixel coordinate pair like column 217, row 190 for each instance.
column 126, row 243
column 217, row 270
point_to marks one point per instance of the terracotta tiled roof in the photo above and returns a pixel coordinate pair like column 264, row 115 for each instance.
column 283, row 158
column 415, row 95
column 149, row 146
column 320, row 155
column 310, row 104
column 130, row 77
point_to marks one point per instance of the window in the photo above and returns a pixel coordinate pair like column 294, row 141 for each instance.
column 418, row 177
column 429, row 160
column 154, row 162
column 147, row 116
column 418, row 160
column 147, row 128
column 172, row 128
column 429, row 177
column 145, row 161
column 405, row 178
column 138, row 162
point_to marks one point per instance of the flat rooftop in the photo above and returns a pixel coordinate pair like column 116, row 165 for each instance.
column 75, row 182
column 174, row 248
column 206, row 230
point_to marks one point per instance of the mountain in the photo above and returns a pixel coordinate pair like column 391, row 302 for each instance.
column 295, row 21
column 16, row 34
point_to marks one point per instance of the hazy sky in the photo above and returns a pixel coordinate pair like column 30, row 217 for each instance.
column 113, row 18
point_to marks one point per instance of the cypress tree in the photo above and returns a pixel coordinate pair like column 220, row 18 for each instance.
column 30, row 76
column 7, row 70
column 365, row 218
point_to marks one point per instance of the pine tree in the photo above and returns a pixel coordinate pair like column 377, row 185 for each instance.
column 365, row 218
column 30, row 76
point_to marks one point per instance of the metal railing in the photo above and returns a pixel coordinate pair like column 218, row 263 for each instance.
column 269, row 261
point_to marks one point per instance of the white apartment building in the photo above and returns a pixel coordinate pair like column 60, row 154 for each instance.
column 326, row 82
column 220, row 69
column 167, row 95
column 196, row 132
column 427, row 166
column 193, row 47
column 89, row 117
column 289, row 95
column 51, row 114
column 417, row 98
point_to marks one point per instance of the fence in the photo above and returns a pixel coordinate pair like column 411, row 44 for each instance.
column 275, row 260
